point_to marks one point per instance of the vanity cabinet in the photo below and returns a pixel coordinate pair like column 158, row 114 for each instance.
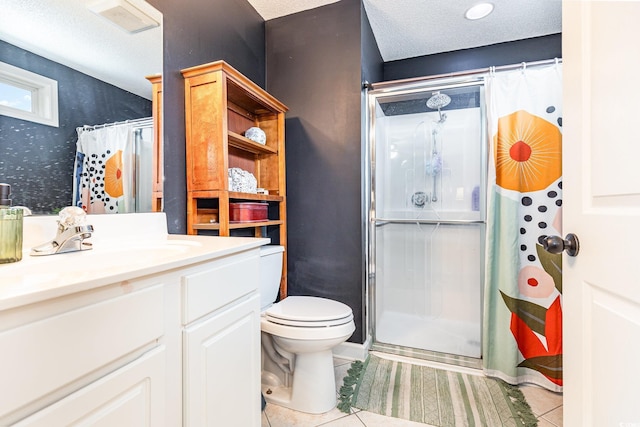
column 89, row 357
column 176, row 346
column 157, row 162
column 221, row 105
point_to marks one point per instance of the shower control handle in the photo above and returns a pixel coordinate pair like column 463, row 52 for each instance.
column 556, row 244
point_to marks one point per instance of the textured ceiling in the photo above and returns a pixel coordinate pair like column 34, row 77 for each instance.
column 409, row 28
column 270, row 9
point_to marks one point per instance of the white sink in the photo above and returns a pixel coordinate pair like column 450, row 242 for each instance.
column 136, row 252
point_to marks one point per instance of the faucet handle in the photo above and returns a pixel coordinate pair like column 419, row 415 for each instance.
column 71, row 216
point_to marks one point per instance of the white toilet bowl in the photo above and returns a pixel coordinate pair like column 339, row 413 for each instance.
column 298, row 335
column 304, row 337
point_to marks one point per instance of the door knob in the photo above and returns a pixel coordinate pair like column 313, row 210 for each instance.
column 556, row 244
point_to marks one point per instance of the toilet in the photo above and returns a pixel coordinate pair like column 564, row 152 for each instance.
column 298, row 335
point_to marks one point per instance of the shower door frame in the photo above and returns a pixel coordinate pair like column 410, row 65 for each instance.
column 399, row 89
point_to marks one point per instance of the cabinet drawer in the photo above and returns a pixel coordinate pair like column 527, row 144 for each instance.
column 41, row 357
column 218, row 284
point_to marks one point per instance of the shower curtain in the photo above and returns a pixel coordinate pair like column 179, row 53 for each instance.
column 522, row 339
column 104, row 169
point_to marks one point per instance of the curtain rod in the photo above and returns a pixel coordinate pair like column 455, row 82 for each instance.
column 478, row 71
column 125, row 122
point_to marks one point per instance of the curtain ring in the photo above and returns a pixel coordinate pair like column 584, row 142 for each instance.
column 524, row 67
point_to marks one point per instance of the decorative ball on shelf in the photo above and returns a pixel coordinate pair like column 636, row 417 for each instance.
column 257, row 135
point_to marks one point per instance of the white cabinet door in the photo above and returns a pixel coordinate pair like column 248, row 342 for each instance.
column 132, row 396
column 222, row 368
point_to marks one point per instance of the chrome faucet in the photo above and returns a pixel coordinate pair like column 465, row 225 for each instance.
column 71, row 235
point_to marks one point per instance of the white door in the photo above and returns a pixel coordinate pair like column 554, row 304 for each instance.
column 601, row 61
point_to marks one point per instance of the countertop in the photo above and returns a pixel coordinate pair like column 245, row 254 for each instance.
column 125, row 247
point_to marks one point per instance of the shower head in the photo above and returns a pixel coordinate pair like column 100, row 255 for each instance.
column 438, row 101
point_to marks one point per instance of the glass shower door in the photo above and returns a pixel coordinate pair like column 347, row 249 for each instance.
column 428, row 225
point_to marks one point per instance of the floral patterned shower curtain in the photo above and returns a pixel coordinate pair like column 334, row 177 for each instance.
column 522, row 340
column 104, row 169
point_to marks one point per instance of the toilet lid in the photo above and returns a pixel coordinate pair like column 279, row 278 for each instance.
column 309, row 312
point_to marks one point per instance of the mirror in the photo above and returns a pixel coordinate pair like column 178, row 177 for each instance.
column 101, row 71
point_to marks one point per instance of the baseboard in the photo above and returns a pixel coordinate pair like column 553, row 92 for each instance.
column 352, row 351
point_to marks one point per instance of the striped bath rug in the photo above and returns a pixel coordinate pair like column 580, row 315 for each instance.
column 433, row 396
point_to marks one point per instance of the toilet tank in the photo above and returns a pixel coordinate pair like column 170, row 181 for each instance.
column 270, row 274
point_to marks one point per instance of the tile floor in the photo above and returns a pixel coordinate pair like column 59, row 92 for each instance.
column 547, row 406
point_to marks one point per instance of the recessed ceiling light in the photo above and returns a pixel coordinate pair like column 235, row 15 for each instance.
column 478, row 11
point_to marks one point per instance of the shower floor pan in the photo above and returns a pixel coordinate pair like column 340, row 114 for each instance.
column 430, row 334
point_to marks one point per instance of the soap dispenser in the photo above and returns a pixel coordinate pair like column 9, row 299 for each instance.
column 10, row 228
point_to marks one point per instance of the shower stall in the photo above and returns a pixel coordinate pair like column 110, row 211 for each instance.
column 427, row 178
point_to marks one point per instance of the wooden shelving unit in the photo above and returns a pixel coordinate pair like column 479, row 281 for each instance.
column 221, row 104
column 156, row 102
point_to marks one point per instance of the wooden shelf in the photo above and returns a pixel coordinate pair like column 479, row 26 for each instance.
column 237, row 225
column 250, row 196
column 213, row 194
column 243, row 143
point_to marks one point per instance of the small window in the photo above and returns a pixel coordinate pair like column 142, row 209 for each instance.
column 28, row 96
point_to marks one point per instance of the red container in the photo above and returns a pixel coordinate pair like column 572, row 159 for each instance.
column 248, row 211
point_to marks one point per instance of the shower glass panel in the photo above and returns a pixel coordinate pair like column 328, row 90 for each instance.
column 428, row 152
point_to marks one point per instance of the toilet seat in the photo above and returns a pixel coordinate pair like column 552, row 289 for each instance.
column 309, row 312
column 307, row 333
column 307, row 324
column 308, row 318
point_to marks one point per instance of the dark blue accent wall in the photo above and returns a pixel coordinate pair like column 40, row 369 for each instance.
column 514, row 52
column 314, row 67
column 197, row 32
column 37, row 160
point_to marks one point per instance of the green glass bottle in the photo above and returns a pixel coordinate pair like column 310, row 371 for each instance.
column 10, row 228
